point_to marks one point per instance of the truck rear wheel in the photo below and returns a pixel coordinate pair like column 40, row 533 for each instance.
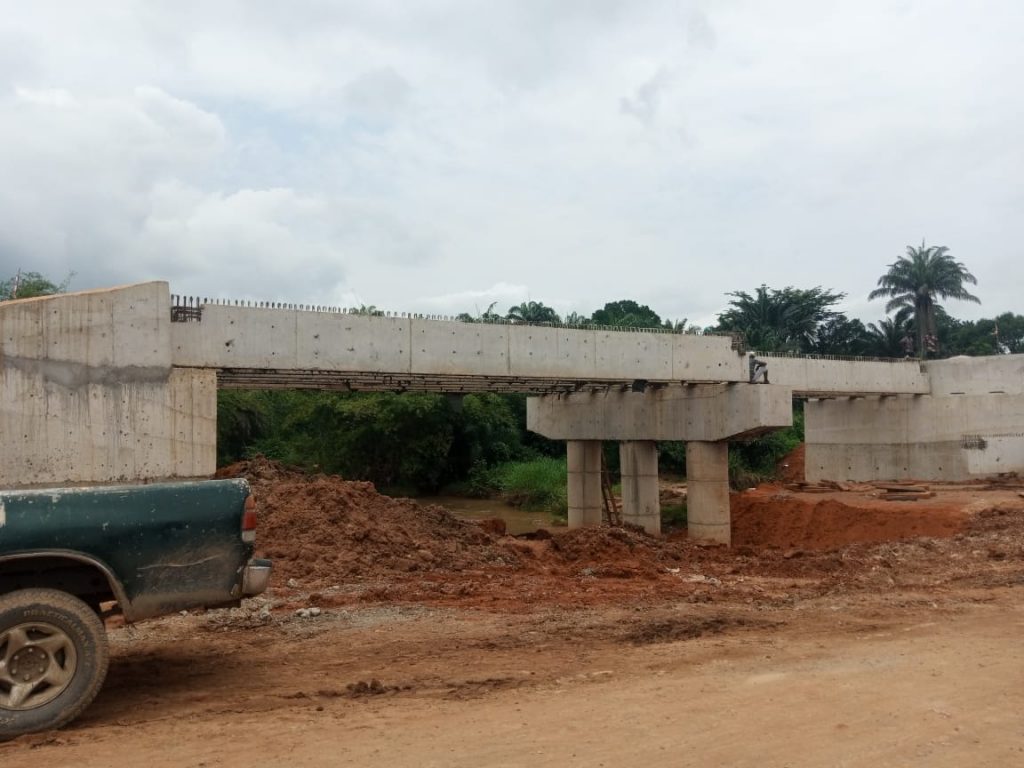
column 53, row 660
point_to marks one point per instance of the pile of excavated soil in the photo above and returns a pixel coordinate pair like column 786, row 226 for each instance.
column 357, row 545
column 615, row 552
column 323, row 528
column 770, row 516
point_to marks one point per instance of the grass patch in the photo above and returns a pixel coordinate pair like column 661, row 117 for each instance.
column 538, row 484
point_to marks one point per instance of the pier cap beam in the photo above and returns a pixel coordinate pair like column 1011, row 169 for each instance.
column 704, row 412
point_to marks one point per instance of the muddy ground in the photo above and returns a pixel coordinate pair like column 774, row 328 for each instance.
column 840, row 629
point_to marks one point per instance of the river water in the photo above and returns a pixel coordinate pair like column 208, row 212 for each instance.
column 517, row 519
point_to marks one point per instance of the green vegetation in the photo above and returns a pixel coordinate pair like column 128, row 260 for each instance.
column 410, row 441
column 755, row 461
column 786, row 320
column 538, row 484
column 28, row 285
column 532, row 312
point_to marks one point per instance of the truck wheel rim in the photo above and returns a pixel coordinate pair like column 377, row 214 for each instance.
column 37, row 662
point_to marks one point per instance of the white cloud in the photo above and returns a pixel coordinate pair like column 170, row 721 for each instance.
column 406, row 155
column 477, row 301
column 48, row 97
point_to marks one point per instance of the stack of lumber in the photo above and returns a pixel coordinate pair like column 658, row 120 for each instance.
column 903, row 492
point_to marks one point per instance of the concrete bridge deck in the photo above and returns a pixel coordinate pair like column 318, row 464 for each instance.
column 286, row 347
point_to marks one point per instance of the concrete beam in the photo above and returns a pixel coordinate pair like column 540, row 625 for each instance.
column 995, row 374
column 824, row 377
column 247, row 340
column 584, row 490
column 234, row 337
column 641, row 503
column 705, row 412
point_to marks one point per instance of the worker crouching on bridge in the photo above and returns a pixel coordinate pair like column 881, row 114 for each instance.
column 758, row 370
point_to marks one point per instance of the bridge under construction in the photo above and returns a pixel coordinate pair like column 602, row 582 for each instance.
column 119, row 385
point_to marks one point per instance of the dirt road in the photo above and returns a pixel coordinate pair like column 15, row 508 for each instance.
column 869, row 680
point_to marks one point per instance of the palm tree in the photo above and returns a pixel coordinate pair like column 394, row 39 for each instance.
column 532, row 312
column 914, row 282
column 886, row 337
column 786, row 320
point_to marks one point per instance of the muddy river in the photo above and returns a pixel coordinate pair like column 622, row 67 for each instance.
column 517, row 520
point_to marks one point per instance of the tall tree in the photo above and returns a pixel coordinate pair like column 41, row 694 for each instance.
column 28, row 285
column 627, row 313
column 786, row 320
column 1009, row 333
column 988, row 336
column 532, row 312
column 916, row 280
column 841, row 335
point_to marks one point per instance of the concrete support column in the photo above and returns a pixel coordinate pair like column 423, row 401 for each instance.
column 707, row 491
column 640, row 497
column 583, row 458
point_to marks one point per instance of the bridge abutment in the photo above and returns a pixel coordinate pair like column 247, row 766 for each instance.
column 88, row 393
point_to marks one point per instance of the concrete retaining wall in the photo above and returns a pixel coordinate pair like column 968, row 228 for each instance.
column 88, row 395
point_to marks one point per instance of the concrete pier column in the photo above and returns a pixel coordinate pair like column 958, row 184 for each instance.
column 583, row 458
column 640, row 497
column 707, row 491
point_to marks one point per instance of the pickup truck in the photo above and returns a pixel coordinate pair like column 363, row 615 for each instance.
column 70, row 557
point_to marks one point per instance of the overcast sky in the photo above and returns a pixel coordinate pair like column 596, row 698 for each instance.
column 438, row 155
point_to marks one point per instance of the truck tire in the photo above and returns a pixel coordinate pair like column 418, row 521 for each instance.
column 53, row 659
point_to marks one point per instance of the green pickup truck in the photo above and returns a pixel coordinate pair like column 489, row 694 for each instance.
column 69, row 557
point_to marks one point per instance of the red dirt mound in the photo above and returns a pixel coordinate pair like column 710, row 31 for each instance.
column 326, row 531
column 768, row 516
column 615, row 552
column 323, row 528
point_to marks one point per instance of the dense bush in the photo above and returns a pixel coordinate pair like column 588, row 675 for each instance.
column 415, row 442
column 755, row 461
